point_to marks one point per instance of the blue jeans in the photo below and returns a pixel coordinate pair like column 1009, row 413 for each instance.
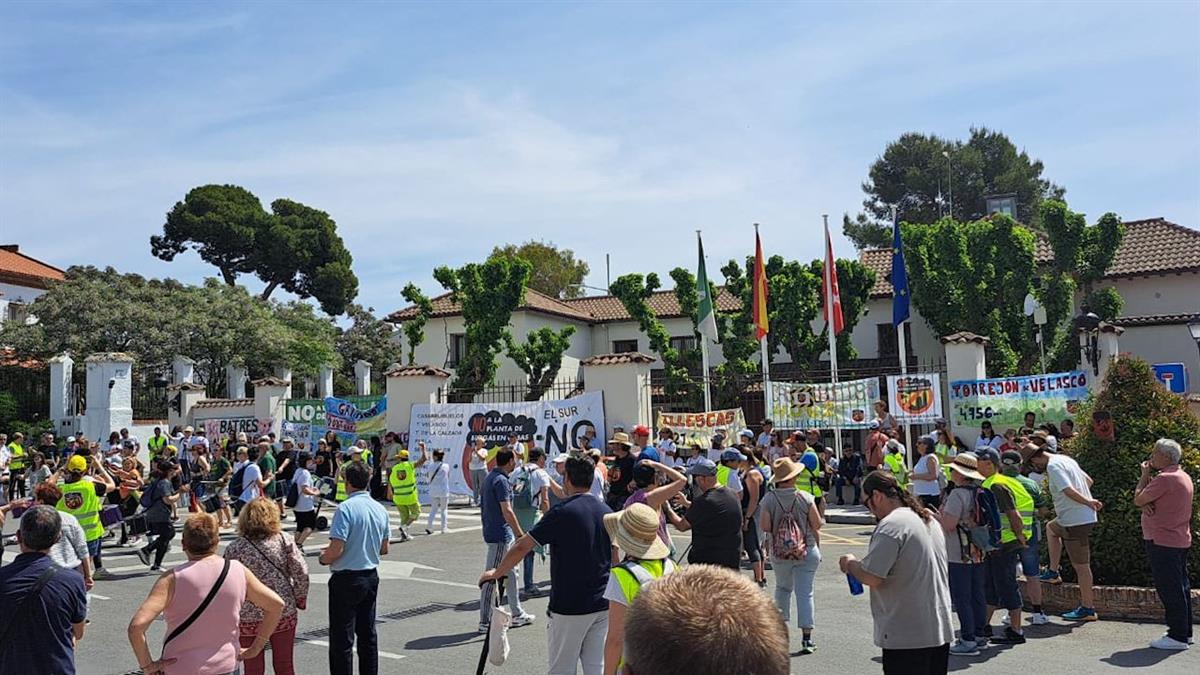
column 966, row 587
column 796, row 576
column 528, row 570
column 1168, row 567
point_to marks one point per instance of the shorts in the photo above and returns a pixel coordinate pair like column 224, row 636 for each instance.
column 408, row 512
column 93, row 547
column 1000, row 582
column 1076, row 539
column 1031, row 555
column 306, row 520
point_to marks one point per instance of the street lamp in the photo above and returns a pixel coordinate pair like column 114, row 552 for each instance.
column 949, row 183
column 1194, row 329
column 1088, row 325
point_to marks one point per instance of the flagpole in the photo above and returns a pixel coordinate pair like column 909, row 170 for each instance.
column 762, row 344
column 704, row 345
column 902, row 343
column 833, row 364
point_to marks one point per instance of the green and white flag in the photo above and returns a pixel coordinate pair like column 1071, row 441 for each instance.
column 706, row 318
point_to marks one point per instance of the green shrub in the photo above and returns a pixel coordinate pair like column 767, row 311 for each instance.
column 10, row 411
column 1142, row 411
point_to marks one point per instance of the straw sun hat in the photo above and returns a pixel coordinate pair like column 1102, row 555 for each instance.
column 635, row 530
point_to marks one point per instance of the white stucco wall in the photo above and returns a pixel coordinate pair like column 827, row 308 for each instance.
column 1164, row 344
column 1169, row 294
column 13, row 293
column 604, row 334
column 925, row 344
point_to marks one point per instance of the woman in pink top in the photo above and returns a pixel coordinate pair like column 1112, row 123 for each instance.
column 209, row 646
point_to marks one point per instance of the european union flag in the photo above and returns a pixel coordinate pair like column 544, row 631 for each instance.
column 899, row 279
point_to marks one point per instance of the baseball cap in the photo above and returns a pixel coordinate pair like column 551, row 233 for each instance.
column 403, row 454
column 76, row 463
column 641, row 430
column 747, row 433
column 704, row 467
column 70, row 439
column 189, row 428
column 731, row 455
column 289, row 439
column 561, row 458
column 874, row 424
column 1011, row 458
column 988, row 454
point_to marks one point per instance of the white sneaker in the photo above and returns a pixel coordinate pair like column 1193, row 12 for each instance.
column 1004, row 620
column 1169, row 644
column 523, row 620
column 1038, row 619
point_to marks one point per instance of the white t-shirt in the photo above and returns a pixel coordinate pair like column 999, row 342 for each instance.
column 439, row 479
column 539, row 481
column 667, row 452
column 995, row 442
column 1065, row 472
column 764, row 440
column 250, row 480
column 735, row 481
column 597, row 489
column 476, row 463
column 928, row 488
column 303, row 479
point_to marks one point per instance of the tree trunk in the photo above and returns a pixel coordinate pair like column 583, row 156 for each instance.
column 266, row 294
column 229, row 275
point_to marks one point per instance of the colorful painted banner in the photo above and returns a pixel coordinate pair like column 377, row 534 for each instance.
column 555, row 426
column 307, row 419
column 1005, row 400
column 846, row 405
column 699, row 427
column 915, row 399
column 229, row 427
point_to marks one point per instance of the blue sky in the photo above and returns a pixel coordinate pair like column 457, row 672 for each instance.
column 432, row 132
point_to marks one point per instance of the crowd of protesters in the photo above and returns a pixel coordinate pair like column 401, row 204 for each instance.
column 960, row 527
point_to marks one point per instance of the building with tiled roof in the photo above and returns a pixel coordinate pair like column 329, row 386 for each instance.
column 1156, row 270
column 22, row 280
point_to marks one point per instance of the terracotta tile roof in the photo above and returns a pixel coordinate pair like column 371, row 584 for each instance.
column 21, row 270
column 186, row 386
column 615, row 359
column 223, row 403
column 964, row 337
column 415, row 371
column 534, row 301
column 606, row 308
column 271, row 381
column 1154, row 319
column 592, row 309
column 1152, row 246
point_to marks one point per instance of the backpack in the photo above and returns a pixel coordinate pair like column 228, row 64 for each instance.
column 983, row 534
column 235, row 483
column 147, row 499
column 522, row 482
column 787, row 537
column 293, row 495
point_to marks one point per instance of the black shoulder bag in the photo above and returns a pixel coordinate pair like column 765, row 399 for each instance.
column 212, row 593
column 24, row 604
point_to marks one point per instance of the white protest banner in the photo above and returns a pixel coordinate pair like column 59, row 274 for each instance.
column 846, row 405
column 915, row 399
column 555, row 426
column 699, row 427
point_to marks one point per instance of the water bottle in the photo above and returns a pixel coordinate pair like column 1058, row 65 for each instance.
column 856, row 587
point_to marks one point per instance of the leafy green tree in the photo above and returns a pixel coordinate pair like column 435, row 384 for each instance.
column 634, row 291
column 539, row 357
column 488, row 293
column 912, row 174
column 295, row 247
column 302, row 252
column 556, row 272
column 1142, row 412
column 367, row 339
column 974, row 276
column 414, row 328
column 1082, row 254
column 221, row 222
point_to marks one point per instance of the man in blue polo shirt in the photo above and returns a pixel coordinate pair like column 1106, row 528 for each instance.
column 357, row 537
column 500, row 528
column 40, row 626
column 580, row 556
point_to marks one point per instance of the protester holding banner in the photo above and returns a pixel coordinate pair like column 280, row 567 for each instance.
column 438, row 472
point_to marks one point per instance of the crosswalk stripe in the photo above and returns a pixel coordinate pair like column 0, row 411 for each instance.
column 323, row 643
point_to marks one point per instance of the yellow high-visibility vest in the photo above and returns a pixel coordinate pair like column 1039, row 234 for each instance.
column 79, row 499
column 404, row 490
column 1024, row 504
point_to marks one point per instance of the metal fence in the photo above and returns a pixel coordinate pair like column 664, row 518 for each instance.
column 510, row 392
column 29, row 389
column 149, row 402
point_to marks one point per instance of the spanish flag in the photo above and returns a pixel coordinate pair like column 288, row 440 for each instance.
column 760, row 291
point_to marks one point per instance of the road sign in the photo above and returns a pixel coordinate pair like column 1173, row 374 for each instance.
column 1173, row 376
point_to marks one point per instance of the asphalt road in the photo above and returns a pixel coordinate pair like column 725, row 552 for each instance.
column 428, row 614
